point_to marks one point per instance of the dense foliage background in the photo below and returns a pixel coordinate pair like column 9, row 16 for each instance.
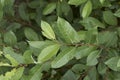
column 59, row 40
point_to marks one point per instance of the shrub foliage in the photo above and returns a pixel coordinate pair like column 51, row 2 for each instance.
column 59, row 40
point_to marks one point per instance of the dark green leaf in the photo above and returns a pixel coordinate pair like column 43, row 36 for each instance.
column 109, row 18
column 10, row 38
column 31, row 34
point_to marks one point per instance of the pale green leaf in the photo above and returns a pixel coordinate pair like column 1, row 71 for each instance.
column 92, row 58
column 14, row 58
column 87, row 9
column 47, row 30
column 4, row 64
column 118, row 64
column 18, row 74
column 102, row 1
column 28, row 57
column 48, row 53
column 65, row 31
column 63, row 57
column 112, row 63
column 76, row 2
column 49, row 8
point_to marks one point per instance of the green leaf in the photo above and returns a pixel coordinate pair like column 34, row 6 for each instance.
column 117, row 13
column 102, row 1
column 76, row 2
column 67, row 11
column 22, row 12
column 8, row 75
column 107, row 38
column 109, row 18
column 63, row 57
column 36, row 76
column 48, row 53
column 101, row 68
column 93, row 73
column 28, row 57
column 14, row 74
column 86, row 78
column 18, row 74
column 78, row 68
column 35, row 73
column 10, row 38
column 112, row 63
column 31, row 34
column 91, row 23
column 4, row 64
column 81, row 35
column 65, row 31
column 1, row 10
column 87, row 9
column 92, row 58
column 38, row 46
column 118, row 63
column 14, row 58
column 47, row 30
column 83, row 51
column 69, row 75
column 49, row 8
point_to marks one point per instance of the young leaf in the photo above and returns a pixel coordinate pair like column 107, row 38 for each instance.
column 31, row 34
column 10, row 38
column 87, row 9
column 48, row 52
column 76, row 2
column 63, row 57
column 65, row 31
column 109, row 18
column 47, row 30
column 49, row 8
